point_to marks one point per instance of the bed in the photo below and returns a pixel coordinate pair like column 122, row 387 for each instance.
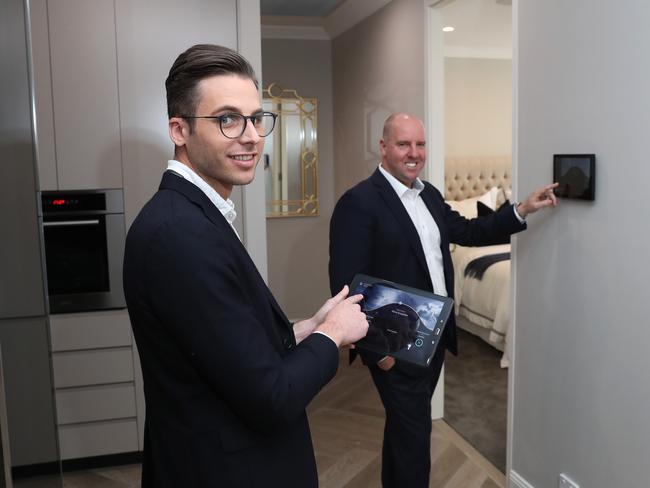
column 482, row 306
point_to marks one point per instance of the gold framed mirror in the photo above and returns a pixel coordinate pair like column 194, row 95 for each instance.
column 291, row 154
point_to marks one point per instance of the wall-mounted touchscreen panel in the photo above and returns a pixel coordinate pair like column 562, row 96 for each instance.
column 576, row 175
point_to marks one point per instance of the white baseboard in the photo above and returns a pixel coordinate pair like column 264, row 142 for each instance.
column 517, row 481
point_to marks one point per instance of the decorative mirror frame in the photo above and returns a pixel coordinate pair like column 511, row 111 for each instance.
column 307, row 109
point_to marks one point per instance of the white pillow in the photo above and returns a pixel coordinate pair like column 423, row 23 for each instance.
column 503, row 195
column 467, row 207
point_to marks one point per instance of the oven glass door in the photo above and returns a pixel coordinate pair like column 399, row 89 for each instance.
column 76, row 255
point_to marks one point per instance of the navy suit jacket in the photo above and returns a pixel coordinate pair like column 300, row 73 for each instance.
column 372, row 233
column 225, row 384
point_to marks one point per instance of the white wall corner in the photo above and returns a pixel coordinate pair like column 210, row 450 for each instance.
column 249, row 44
column 434, row 171
column 518, row 481
column 510, row 441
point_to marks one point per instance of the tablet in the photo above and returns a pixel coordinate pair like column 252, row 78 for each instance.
column 403, row 322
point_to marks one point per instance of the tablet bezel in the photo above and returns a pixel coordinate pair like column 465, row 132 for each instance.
column 438, row 330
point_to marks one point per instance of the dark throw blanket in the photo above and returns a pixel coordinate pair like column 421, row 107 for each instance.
column 476, row 268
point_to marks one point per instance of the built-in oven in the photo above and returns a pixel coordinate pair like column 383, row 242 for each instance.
column 83, row 236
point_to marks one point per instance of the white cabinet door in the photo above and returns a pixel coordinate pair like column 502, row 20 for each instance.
column 148, row 40
column 85, row 94
column 42, row 96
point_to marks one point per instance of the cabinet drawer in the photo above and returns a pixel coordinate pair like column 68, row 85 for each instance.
column 98, row 439
column 100, row 366
column 90, row 330
column 95, row 403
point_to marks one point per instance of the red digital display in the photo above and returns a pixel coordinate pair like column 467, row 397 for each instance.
column 58, row 201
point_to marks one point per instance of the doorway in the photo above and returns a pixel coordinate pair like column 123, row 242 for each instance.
column 470, row 100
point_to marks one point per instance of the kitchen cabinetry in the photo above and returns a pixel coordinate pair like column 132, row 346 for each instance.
column 98, row 71
column 23, row 328
column 21, row 285
column 28, row 391
column 94, row 383
column 84, row 88
column 79, row 119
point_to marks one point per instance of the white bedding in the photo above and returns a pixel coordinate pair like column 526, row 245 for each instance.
column 485, row 302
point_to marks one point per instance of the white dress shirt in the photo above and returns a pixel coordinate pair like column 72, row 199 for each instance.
column 425, row 225
column 226, row 207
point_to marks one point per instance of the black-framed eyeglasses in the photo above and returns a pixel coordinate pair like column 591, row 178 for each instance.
column 233, row 125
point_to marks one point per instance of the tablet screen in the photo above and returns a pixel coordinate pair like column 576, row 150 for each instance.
column 403, row 322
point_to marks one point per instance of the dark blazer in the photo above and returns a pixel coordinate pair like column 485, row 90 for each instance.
column 225, row 384
column 372, row 233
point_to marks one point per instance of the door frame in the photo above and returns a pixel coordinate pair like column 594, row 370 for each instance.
column 435, row 172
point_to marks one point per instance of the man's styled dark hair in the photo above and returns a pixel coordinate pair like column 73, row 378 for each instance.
column 195, row 64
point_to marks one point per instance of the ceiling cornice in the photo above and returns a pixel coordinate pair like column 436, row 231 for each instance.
column 307, row 32
column 346, row 15
column 349, row 14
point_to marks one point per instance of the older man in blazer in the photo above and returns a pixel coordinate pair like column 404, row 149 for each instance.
column 396, row 227
column 226, row 376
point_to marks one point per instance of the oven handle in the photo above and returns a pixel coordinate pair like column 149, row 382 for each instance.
column 71, row 222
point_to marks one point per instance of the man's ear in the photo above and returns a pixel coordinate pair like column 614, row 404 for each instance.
column 382, row 147
column 179, row 131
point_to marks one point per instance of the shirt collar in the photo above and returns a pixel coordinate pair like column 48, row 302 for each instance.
column 400, row 188
column 226, row 207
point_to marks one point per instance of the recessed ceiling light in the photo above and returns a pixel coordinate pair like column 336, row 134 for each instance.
column 448, row 29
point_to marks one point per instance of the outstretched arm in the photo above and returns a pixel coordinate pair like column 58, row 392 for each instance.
column 540, row 198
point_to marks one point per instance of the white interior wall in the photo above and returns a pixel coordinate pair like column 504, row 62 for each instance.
column 478, row 107
column 581, row 393
column 298, row 246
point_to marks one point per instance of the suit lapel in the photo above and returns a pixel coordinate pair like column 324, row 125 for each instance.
column 397, row 208
column 193, row 193
column 171, row 181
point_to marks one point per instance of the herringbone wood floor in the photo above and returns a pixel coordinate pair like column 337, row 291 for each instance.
column 347, row 424
column 347, row 421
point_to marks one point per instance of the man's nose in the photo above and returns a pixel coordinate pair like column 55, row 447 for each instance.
column 250, row 134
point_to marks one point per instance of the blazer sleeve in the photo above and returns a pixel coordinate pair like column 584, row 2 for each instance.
column 352, row 230
column 195, row 287
column 492, row 229
column 351, row 238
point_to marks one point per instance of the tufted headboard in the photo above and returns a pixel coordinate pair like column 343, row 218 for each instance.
column 473, row 176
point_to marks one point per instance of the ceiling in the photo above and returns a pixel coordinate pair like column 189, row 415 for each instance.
column 301, row 8
column 483, row 28
column 484, row 25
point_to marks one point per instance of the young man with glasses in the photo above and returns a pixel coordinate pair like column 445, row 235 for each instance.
column 226, row 376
